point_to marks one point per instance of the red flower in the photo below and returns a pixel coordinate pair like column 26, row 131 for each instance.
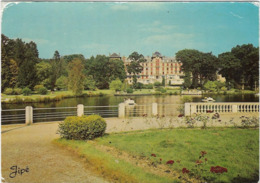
column 206, row 159
column 170, row 162
column 218, row 169
column 185, row 170
column 203, row 153
column 199, row 162
column 160, row 159
column 180, row 115
column 154, row 155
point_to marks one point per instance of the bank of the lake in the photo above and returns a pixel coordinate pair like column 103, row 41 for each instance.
column 60, row 95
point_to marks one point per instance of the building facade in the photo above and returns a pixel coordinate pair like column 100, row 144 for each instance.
column 156, row 68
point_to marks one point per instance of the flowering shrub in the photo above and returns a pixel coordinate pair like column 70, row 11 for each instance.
column 154, row 155
column 185, row 170
column 170, row 162
column 216, row 116
column 209, row 111
column 218, row 169
column 180, row 115
column 190, row 121
column 246, row 122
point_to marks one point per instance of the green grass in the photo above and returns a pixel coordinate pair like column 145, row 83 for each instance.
column 235, row 149
column 109, row 167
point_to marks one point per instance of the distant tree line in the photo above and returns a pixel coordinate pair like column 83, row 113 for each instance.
column 239, row 67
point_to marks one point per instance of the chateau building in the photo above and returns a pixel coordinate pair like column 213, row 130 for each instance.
column 155, row 69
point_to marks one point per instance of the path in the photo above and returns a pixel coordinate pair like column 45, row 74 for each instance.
column 32, row 146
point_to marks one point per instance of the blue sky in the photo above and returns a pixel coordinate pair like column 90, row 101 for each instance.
column 103, row 28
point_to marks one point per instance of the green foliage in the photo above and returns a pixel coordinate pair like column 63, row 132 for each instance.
column 157, row 84
column 186, row 99
column 223, row 88
column 247, row 122
column 203, row 66
column 8, row 91
column 62, row 83
column 129, row 90
column 18, row 91
column 43, row 73
column 43, row 91
column 163, row 81
column 104, row 70
column 187, row 80
column 37, row 87
column 139, row 85
column 76, row 77
column 241, row 64
column 56, row 68
column 148, row 86
column 213, row 86
column 116, row 85
column 26, row 91
column 161, row 89
column 82, row 128
column 90, row 83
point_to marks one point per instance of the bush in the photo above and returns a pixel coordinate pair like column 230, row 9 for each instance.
column 18, row 91
column 157, row 84
column 148, row 86
column 43, row 91
column 26, row 91
column 129, row 90
column 37, row 88
column 82, row 128
column 8, row 91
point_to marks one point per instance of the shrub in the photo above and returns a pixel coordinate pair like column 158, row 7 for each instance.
column 157, row 84
column 18, row 91
column 43, row 91
column 82, row 128
column 148, row 86
column 129, row 90
column 26, row 91
column 37, row 88
column 8, row 91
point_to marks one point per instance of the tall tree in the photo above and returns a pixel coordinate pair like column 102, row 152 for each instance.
column 135, row 66
column 241, row 64
column 27, row 70
column 76, row 76
column 56, row 65
column 203, row 66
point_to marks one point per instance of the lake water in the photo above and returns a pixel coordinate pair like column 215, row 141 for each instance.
column 167, row 105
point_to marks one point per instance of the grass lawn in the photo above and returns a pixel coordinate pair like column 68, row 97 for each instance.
column 235, row 149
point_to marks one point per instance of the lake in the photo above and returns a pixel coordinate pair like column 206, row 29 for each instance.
column 167, row 105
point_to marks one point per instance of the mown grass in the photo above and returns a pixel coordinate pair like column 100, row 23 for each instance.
column 235, row 149
column 112, row 169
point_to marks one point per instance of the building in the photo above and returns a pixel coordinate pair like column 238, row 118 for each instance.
column 156, row 68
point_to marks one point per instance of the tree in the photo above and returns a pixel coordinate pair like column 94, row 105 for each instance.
column 241, row 63
column 27, row 76
column 43, row 72
column 135, row 67
column 56, row 65
column 76, row 76
column 163, row 81
column 90, row 83
column 62, row 83
column 187, row 80
column 116, row 85
column 203, row 66
column 104, row 70
column 210, row 85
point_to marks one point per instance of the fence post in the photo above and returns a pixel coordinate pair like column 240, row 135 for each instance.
column 154, row 109
column 192, row 109
column 80, row 110
column 234, row 108
column 187, row 109
column 121, row 110
column 28, row 115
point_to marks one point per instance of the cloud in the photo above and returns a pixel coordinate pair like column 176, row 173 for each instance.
column 156, row 27
column 38, row 41
column 167, row 39
column 235, row 15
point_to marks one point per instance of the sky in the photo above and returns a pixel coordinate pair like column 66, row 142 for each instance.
column 92, row 28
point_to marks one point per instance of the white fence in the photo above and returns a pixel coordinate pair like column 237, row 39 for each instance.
column 221, row 107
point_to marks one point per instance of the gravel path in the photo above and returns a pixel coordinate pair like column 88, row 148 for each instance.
column 32, row 146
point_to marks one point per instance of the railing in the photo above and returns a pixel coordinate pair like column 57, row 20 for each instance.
column 221, row 107
column 9, row 116
column 104, row 111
